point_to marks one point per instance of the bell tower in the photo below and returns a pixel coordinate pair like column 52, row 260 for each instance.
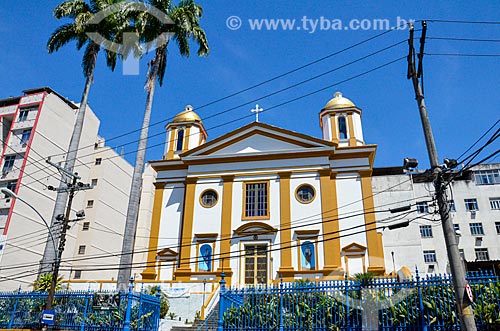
column 185, row 132
column 340, row 121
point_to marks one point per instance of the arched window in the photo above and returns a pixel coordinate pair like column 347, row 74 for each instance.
column 307, row 256
column 205, row 258
column 180, row 140
column 342, row 128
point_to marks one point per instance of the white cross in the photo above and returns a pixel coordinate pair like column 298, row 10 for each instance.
column 257, row 110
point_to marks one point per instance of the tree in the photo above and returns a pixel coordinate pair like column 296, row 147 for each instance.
column 185, row 27
column 80, row 12
column 44, row 282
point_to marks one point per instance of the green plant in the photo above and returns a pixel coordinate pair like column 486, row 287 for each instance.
column 164, row 304
column 44, row 282
column 171, row 315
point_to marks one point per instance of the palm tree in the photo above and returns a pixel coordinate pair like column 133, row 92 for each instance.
column 185, row 27
column 80, row 12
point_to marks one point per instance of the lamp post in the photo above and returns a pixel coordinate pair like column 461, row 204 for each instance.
column 11, row 194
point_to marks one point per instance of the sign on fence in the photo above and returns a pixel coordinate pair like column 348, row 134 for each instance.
column 106, row 301
column 48, row 317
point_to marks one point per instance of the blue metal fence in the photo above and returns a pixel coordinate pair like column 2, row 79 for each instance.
column 75, row 311
column 422, row 303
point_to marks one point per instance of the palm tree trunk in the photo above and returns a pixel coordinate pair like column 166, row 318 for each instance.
column 49, row 255
column 126, row 257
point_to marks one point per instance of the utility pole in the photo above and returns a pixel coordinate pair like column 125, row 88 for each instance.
column 71, row 189
column 464, row 306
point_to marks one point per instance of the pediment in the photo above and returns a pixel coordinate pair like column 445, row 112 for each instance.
column 258, row 138
column 167, row 254
column 354, row 248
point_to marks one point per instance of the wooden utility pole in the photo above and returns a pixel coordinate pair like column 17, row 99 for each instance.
column 464, row 306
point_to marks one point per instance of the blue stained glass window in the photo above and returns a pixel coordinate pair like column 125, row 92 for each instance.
column 205, row 259
column 307, row 256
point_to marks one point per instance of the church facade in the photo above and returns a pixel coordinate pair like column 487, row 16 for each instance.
column 262, row 203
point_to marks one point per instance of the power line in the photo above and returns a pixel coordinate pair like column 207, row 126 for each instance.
column 286, row 102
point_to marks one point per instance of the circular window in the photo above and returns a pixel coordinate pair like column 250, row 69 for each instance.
column 305, row 193
column 208, row 198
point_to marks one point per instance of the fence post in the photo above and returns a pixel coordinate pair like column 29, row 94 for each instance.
column 87, row 298
column 13, row 316
column 220, row 322
column 158, row 296
column 281, row 304
column 126, row 323
column 348, row 320
column 423, row 324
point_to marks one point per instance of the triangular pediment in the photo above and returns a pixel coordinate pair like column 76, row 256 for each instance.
column 258, row 138
column 354, row 248
column 167, row 254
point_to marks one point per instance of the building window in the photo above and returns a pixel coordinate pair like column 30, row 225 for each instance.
column 476, row 229
column 305, row 193
column 342, row 128
column 256, row 200
column 94, row 181
column 456, row 227
column 23, row 115
column 482, row 254
column 98, row 161
column 180, row 140
column 86, row 226
column 497, row 226
column 495, row 203
column 205, row 258
column 426, row 231
column 78, row 274
column 422, row 207
column 25, row 136
column 81, row 250
column 430, row 256
column 256, row 264
column 471, row 204
column 90, row 203
column 451, row 205
column 487, row 177
column 307, row 256
column 8, row 163
column 208, row 198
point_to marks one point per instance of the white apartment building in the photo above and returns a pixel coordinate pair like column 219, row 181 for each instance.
column 475, row 210
column 36, row 126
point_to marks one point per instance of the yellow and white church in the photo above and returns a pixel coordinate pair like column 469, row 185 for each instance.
column 262, row 203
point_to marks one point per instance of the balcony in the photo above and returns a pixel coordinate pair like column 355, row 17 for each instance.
column 26, row 124
column 8, row 110
column 16, row 148
column 11, row 174
column 5, row 203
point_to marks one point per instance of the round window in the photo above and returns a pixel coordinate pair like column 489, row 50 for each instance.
column 208, row 198
column 305, row 193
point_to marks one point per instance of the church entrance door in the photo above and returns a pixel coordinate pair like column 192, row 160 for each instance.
column 255, row 264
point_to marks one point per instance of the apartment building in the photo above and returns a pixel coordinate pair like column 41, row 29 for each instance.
column 35, row 126
column 474, row 198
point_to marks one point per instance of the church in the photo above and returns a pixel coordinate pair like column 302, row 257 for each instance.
column 263, row 203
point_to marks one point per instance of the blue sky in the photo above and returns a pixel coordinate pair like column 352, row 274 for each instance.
column 461, row 92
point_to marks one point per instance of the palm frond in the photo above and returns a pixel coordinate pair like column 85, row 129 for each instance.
column 61, row 36
column 70, row 9
column 89, row 58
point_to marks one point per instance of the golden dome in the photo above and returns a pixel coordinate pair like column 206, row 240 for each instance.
column 187, row 115
column 338, row 102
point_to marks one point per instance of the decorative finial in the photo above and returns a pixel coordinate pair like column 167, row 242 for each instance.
column 257, row 110
column 188, row 108
column 337, row 94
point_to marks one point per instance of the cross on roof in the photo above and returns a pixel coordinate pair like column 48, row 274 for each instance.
column 257, row 110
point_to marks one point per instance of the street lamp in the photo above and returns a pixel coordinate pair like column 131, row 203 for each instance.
column 11, row 194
